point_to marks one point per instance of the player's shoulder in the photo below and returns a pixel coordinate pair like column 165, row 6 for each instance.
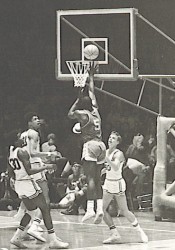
column 118, row 153
column 24, row 134
column 22, row 152
column 32, row 133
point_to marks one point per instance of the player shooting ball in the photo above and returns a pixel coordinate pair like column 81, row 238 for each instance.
column 85, row 111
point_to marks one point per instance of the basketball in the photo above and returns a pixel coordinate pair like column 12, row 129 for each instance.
column 91, row 52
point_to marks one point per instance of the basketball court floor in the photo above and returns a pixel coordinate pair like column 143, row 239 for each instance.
column 89, row 236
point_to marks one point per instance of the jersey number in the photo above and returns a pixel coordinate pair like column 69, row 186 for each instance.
column 24, row 141
column 97, row 124
column 15, row 164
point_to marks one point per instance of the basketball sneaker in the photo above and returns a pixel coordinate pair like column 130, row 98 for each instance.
column 36, row 235
column 58, row 244
column 27, row 237
column 88, row 215
column 17, row 243
column 113, row 239
column 40, row 229
column 98, row 218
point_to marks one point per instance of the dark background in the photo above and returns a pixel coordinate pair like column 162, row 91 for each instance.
column 27, row 72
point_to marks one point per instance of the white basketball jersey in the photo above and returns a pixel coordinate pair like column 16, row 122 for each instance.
column 35, row 161
column 112, row 174
column 26, row 146
column 17, row 165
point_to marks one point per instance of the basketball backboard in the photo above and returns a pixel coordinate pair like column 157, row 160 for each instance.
column 112, row 30
column 150, row 54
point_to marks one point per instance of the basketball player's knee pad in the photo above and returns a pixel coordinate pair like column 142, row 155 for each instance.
column 32, row 213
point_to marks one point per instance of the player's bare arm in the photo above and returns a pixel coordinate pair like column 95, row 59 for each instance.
column 73, row 113
column 24, row 158
column 92, row 71
column 116, row 162
column 77, row 114
column 33, row 144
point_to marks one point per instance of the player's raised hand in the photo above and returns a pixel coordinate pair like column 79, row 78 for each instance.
column 93, row 68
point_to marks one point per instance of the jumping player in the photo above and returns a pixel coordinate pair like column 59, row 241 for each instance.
column 30, row 193
column 114, row 187
column 85, row 111
column 31, row 142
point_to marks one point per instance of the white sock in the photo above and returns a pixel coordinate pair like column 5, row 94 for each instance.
column 99, row 206
column 114, row 230
column 52, row 237
column 135, row 223
column 137, row 226
column 140, row 230
column 90, row 206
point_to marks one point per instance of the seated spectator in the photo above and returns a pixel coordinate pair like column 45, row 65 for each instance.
column 9, row 200
column 76, row 191
column 49, row 146
column 137, row 161
column 2, row 185
column 53, row 176
column 137, row 149
column 170, row 161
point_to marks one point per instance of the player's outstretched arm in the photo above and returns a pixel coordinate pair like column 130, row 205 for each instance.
column 92, row 70
column 72, row 111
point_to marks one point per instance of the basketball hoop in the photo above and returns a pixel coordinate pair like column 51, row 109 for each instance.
column 79, row 71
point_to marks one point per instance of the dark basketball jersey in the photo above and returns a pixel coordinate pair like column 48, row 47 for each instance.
column 92, row 129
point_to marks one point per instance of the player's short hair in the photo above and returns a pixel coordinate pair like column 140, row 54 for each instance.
column 28, row 116
column 51, row 136
column 118, row 135
column 85, row 102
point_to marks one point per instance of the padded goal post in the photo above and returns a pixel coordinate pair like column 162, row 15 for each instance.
column 160, row 198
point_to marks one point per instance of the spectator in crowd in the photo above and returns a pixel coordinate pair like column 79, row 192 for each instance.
column 137, row 161
column 76, row 191
column 150, row 143
column 54, row 174
column 2, row 185
column 137, row 149
column 8, row 199
column 49, row 146
column 170, row 161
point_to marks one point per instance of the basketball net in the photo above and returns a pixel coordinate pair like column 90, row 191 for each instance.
column 79, row 71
